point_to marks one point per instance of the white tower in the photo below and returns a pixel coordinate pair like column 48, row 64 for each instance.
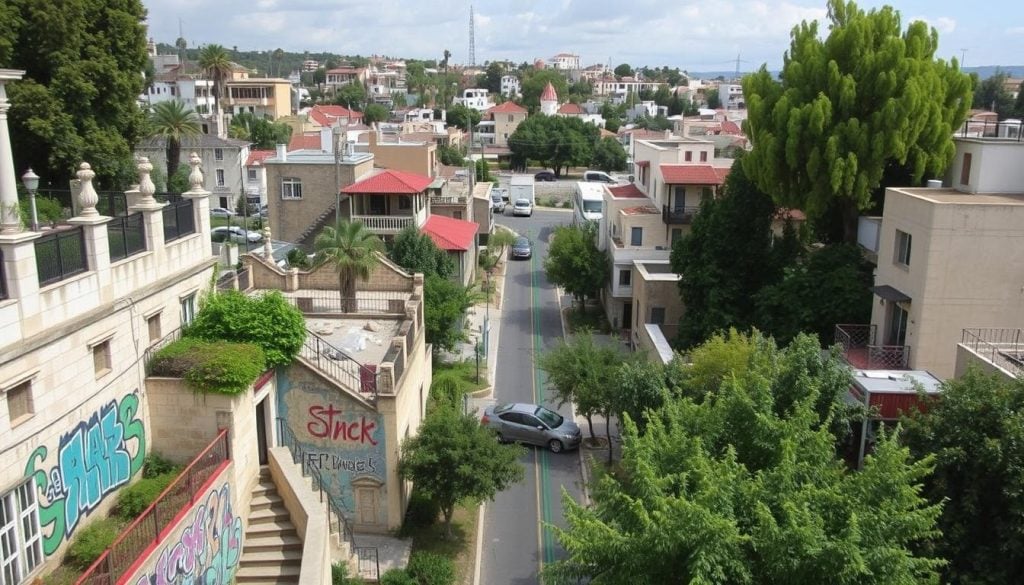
column 549, row 100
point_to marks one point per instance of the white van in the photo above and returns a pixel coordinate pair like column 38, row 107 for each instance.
column 587, row 202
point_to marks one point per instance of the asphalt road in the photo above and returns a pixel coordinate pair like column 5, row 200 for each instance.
column 515, row 542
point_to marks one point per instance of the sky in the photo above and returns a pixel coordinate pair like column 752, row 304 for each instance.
column 706, row 35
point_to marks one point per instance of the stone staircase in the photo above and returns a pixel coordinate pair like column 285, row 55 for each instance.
column 309, row 234
column 273, row 550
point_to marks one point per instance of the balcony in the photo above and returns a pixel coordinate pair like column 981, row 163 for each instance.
column 678, row 215
column 386, row 224
column 1002, row 348
column 861, row 351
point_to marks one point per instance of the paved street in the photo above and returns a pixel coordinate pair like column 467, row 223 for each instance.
column 514, row 543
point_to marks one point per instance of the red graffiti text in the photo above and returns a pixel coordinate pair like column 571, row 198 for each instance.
column 326, row 422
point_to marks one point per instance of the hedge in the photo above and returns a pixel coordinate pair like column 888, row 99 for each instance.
column 211, row 367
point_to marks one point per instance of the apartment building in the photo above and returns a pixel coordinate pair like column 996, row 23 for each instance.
column 255, row 179
column 498, row 123
column 342, row 76
column 263, row 97
column 223, row 161
column 947, row 261
column 510, row 86
column 475, row 98
column 564, row 62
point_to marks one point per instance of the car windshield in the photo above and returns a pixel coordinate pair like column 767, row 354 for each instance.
column 522, row 203
column 552, row 419
column 521, row 243
column 592, row 206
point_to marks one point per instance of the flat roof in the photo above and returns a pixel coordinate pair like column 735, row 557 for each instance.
column 896, row 381
column 948, row 196
column 591, row 190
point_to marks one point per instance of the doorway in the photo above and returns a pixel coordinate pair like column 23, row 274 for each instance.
column 261, row 431
column 368, row 499
column 627, row 315
column 897, row 333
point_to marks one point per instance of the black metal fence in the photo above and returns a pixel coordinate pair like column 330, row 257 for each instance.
column 112, row 204
column 179, row 220
column 60, row 255
column 330, row 301
column 126, row 236
column 1010, row 130
column 340, row 366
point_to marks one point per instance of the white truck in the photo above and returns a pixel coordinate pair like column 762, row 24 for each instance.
column 522, row 187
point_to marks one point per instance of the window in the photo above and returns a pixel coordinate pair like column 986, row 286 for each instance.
column 965, row 170
column 704, row 156
column 902, row 248
column 636, row 236
column 101, row 358
column 405, row 202
column 252, row 174
column 677, row 234
column 511, row 118
column 688, row 156
column 20, row 536
column 657, row 315
column 188, row 309
column 218, row 154
column 153, row 325
column 291, row 188
column 19, row 402
column 220, row 177
column 457, row 214
column 625, row 277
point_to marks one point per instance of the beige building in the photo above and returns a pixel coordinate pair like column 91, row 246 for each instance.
column 411, row 156
column 947, row 259
column 498, row 123
column 658, row 308
column 268, row 97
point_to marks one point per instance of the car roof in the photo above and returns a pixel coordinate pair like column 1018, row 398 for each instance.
column 516, row 407
column 521, row 240
column 526, row 201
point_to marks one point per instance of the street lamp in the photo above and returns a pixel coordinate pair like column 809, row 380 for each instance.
column 31, row 182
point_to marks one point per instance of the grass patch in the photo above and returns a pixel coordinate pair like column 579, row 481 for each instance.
column 461, row 549
column 465, row 373
column 592, row 319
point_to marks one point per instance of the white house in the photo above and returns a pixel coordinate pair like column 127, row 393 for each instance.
column 475, row 98
column 510, row 86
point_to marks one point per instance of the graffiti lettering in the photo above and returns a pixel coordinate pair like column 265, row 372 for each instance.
column 326, row 422
column 207, row 551
column 331, row 462
column 93, row 459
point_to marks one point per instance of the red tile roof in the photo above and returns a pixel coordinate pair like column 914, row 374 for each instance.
column 629, row 191
column 328, row 115
column 256, row 157
column 570, row 109
column 304, row 142
column 391, row 182
column 722, row 172
column 451, row 234
column 507, row 108
column 641, row 210
column 690, row 175
column 549, row 93
column 730, row 127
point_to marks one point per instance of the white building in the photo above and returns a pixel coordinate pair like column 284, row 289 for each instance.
column 475, row 98
column 565, row 62
column 731, row 96
column 510, row 86
column 222, row 161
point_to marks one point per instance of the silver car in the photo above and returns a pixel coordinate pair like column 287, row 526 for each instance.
column 532, row 424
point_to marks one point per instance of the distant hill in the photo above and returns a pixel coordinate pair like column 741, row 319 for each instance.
column 984, row 72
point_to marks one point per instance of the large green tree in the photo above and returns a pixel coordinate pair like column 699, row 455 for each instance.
column 744, row 486
column 84, row 64
column 976, row 432
column 844, row 106
column 534, row 82
column 454, row 460
column 172, row 121
column 462, row 117
column 579, row 370
column 415, row 252
column 352, row 96
column 575, row 264
column 990, row 94
column 353, row 251
column 555, row 141
column 609, row 155
column 444, row 305
column 263, row 133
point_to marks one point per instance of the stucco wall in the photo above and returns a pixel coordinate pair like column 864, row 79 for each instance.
column 289, row 218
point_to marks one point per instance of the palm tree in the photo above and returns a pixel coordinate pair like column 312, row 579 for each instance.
column 173, row 121
column 215, row 63
column 353, row 250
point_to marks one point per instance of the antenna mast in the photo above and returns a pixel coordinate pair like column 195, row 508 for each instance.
column 472, row 41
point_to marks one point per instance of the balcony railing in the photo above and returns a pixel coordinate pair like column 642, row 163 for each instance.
column 327, row 301
column 179, row 221
column 157, row 520
column 1003, row 348
column 385, row 223
column 60, row 255
column 456, row 200
column 1010, row 130
column 340, row 366
column 861, row 351
column 678, row 215
column 126, row 236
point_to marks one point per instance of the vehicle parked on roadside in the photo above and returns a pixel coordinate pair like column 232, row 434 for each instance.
column 221, row 212
column 497, row 202
column 599, row 177
column 545, row 176
column 235, row 234
column 522, row 207
column 533, row 425
column 522, row 248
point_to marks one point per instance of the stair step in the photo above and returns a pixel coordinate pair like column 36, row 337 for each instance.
column 273, row 527
column 265, row 501
column 278, row 574
column 264, row 489
column 272, row 542
column 269, row 514
column 273, row 558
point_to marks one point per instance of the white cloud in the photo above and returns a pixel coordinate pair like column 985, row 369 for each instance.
column 943, row 24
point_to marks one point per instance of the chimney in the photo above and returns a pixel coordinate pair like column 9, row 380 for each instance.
column 326, row 144
column 282, row 152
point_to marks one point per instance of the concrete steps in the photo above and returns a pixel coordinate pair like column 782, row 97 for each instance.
column 272, row 551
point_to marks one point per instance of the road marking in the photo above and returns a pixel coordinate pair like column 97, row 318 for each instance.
column 533, row 383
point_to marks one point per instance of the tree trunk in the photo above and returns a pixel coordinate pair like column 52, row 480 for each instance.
column 590, row 424
column 448, row 534
column 608, row 433
column 173, row 158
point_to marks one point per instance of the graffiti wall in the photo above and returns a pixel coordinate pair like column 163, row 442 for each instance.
column 92, row 460
column 207, row 550
column 342, row 438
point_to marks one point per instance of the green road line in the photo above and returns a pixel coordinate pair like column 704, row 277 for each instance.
column 547, row 537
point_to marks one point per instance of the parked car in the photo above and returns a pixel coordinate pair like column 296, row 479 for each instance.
column 532, row 424
column 221, row 212
column 497, row 203
column 235, row 234
column 522, row 207
column 598, row 177
column 545, row 176
column 522, row 248
column 264, row 211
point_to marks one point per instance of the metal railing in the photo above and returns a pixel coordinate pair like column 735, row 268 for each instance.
column 861, row 351
column 157, row 520
column 61, row 255
column 112, row 203
column 368, row 563
column 126, row 236
column 327, row 301
column 1004, row 348
column 179, row 220
column 335, row 507
column 678, row 215
column 1009, row 130
column 151, row 351
column 340, row 366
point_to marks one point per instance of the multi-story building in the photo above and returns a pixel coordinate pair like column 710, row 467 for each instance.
column 264, row 97
column 498, row 123
column 310, row 65
column 342, row 76
column 223, row 162
column 945, row 260
column 565, row 62
column 256, row 178
column 731, row 96
column 476, row 98
column 510, row 86
column 618, row 89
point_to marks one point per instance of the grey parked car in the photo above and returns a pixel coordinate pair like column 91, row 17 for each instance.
column 521, row 248
column 532, row 424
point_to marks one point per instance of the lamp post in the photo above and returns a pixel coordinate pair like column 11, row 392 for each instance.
column 31, row 182
column 487, row 315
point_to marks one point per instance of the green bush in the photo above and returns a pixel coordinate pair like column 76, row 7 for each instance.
column 212, row 368
column 339, row 575
column 266, row 320
column 397, row 577
column 91, row 541
column 156, row 464
column 135, row 498
column 431, row 569
column 422, row 511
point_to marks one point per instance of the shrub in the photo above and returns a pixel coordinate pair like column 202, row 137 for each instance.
column 397, row 577
column 431, row 569
column 298, row 259
column 156, row 464
column 213, row 368
column 92, row 540
column 422, row 511
column 447, row 389
column 339, row 575
column 137, row 497
column 265, row 320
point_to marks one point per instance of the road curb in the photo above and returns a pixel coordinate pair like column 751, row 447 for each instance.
column 584, row 475
column 479, row 545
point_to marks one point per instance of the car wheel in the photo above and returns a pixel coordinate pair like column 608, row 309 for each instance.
column 555, row 445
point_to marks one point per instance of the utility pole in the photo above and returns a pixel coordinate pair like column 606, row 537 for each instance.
column 336, row 134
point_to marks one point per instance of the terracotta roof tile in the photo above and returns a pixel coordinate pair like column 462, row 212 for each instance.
column 629, row 191
column 730, row 127
column 328, row 115
column 570, row 109
column 549, row 93
column 641, row 210
column 256, row 157
column 304, row 142
column 451, row 234
column 507, row 108
column 391, row 182
column 690, row 175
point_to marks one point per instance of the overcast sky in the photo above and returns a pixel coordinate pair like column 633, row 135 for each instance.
column 697, row 36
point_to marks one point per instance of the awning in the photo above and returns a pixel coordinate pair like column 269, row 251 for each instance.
column 890, row 294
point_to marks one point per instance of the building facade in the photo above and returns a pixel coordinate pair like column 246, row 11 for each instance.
column 223, row 162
